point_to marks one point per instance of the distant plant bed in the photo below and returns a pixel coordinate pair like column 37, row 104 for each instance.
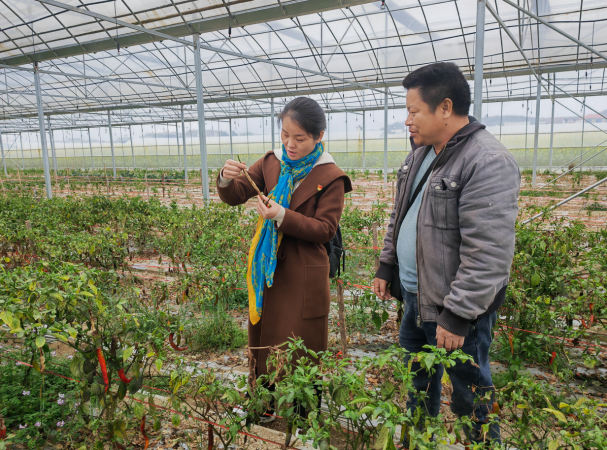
column 596, row 206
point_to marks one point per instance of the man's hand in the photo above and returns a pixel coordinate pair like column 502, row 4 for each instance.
column 447, row 340
column 267, row 212
column 380, row 288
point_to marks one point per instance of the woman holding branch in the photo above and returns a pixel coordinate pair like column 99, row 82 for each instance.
column 301, row 201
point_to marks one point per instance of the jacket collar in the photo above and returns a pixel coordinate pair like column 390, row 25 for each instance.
column 464, row 132
column 324, row 172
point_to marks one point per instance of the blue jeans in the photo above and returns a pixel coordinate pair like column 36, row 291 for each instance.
column 469, row 382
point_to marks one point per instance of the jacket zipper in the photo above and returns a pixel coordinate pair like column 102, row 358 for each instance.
column 419, row 303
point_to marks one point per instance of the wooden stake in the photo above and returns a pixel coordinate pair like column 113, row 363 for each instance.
column 375, row 246
column 28, row 225
column 342, row 319
column 210, row 447
column 147, row 187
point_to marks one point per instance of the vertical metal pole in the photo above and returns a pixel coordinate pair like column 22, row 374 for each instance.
column 386, row 135
column 22, row 155
column 201, row 124
column 52, row 139
column 178, row 151
column 364, row 140
column 347, row 152
column 91, row 147
column 109, row 124
column 478, row 59
column 328, row 129
column 2, row 151
column 132, row 147
column 501, row 118
column 273, row 131
column 47, row 172
column 583, row 124
column 552, row 122
column 232, row 146
column 185, row 154
column 537, row 133
column 526, row 127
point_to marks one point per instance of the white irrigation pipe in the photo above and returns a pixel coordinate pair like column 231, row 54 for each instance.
column 566, row 200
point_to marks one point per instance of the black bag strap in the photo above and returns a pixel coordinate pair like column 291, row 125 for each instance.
column 422, row 182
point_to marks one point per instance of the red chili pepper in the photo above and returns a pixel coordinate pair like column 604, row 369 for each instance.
column 2, row 430
column 496, row 408
column 101, row 359
column 584, row 323
column 174, row 346
column 145, row 436
column 552, row 358
column 123, row 376
column 591, row 319
column 590, row 306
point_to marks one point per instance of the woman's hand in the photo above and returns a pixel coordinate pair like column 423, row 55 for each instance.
column 267, row 212
column 231, row 169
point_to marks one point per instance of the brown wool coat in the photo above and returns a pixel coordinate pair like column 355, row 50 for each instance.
column 298, row 302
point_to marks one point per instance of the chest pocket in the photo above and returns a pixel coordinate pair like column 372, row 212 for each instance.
column 443, row 195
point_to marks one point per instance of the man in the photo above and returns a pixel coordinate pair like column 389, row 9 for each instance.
column 450, row 241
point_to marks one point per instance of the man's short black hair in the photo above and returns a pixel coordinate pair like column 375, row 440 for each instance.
column 439, row 81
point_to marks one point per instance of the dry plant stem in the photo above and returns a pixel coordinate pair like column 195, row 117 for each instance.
column 253, row 184
column 375, row 246
column 342, row 319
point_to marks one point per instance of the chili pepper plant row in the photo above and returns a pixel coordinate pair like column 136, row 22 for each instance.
column 67, row 275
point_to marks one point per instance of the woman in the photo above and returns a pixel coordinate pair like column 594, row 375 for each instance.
column 288, row 270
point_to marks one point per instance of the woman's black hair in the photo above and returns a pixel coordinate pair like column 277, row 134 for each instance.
column 306, row 113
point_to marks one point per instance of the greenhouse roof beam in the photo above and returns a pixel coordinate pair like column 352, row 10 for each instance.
column 513, row 39
column 558, row 30
column 177, row 118
column 230, row 97
column 160, row 35
column 247, row 17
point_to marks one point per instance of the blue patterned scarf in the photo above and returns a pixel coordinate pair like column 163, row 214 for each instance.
column 262, row 255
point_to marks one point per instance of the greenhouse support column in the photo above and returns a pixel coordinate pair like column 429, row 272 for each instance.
column 537, row 134
column 552, row 121
column 178, row 151
column 185, row 155
column 364, row 141
column 583, row 123
column 386, row 135
column 132, row 148
column 273, row 131
column 201, row 125
column 91, row 147
column 22, row 151
column 232, row 146
column 478, row 59
column 2, row 151
column 109, row 124
column 47, row 172
column 52, row 139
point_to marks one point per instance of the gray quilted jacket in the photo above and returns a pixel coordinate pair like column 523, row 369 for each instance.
column 465, row 228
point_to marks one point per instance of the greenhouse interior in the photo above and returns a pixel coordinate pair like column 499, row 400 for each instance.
column 127, row 282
